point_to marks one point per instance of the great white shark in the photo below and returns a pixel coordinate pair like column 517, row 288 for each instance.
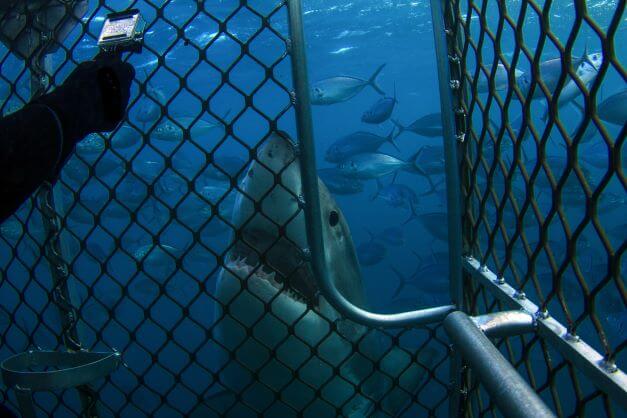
column 290, row 351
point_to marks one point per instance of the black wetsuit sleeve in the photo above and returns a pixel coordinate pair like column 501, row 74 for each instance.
column 31, row 141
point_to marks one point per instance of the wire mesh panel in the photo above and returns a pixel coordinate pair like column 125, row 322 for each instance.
column 183, row 235
column 545, row 187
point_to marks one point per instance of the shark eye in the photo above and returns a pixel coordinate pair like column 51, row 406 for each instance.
column 334, row 218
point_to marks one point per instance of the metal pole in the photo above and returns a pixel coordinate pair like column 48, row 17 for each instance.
column 505, row 324
column 511, row 393
column 603, row 374
column 312, row 198
column 453, row 186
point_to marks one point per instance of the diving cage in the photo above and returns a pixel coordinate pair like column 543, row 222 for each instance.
column 96, row 323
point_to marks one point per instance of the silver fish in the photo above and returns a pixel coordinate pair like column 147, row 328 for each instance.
column 339, row 89
column 614, row 108
column 374, row 165
column 171, row 132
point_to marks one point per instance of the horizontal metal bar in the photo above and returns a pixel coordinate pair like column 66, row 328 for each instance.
column 505, row 324
column 607, row 377
column 312, row 211
column 511, row 393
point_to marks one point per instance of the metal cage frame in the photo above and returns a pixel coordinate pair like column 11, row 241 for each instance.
column 504, row 315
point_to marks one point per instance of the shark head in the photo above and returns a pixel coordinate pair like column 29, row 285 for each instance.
column 273, row 240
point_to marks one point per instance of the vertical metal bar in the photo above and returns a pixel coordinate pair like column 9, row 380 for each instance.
column 453, row 186
column 312, row 209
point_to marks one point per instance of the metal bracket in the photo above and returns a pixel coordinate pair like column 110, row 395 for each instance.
column 72, row 369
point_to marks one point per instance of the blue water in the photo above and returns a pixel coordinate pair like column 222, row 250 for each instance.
column 124, row 308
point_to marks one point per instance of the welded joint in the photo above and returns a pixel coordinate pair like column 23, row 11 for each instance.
column 506, row 323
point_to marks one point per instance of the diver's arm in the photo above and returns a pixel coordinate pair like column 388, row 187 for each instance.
column 31, row 152
column 36, row 141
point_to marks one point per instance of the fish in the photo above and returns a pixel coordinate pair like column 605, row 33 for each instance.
column 149, row 108
column 356, row 143
column 268, row 285
column 147, row 170
column 22, row 25
column 501, row 81
column 428, row 278
column 96, row 250
column 125, row 137
column 157, row 259
column 429, row 125
column 381, row 110
column 374, row 165
column 224, row 168
column 173, row 132
column 586, row 73
column 397, row 196
column 550, row 72
column 341, row 88
column 393, row 235
column 436, row 223
column 91, row 144
column 338, row 184
column 614, row 108
column 371, row 252
column 11, row 229
column 430, row 158
column 342, row 50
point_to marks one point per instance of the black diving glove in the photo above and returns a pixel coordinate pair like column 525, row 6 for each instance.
column 92, row 99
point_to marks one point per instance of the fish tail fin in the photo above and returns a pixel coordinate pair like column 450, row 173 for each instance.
column 402, row 281
column 390, row 138
column 400, row 127
column 420, row 260
column 545, row 116
column 580, row 108
column 413, row 215
column 433, row 187
column 379, row 187
column 370, row 234
column 525, row 156
column 412, row 166
column 373, row 80
column 395, row 99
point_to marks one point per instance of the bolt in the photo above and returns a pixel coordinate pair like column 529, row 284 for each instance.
column 301, row 201
column 484, row 268
column 455, row 84
column 500, row 280
column 609, row 366
column 573, row 338
column 542, row 314
column 306, row 254
column 520, row 295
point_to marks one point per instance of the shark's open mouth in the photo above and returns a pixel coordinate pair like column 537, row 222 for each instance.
column 281, row 265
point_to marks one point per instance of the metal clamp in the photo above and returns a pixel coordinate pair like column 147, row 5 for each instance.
column 72, row 369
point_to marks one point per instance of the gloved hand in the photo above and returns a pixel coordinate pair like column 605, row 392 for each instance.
column 92, row 99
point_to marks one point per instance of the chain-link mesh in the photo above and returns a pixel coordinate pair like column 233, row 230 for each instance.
column 146, row 228
column 544, row 190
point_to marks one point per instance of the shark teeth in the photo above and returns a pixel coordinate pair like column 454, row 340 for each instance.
column 245, row 270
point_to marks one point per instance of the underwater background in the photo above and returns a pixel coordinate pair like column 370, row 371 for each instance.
column 143, row 261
